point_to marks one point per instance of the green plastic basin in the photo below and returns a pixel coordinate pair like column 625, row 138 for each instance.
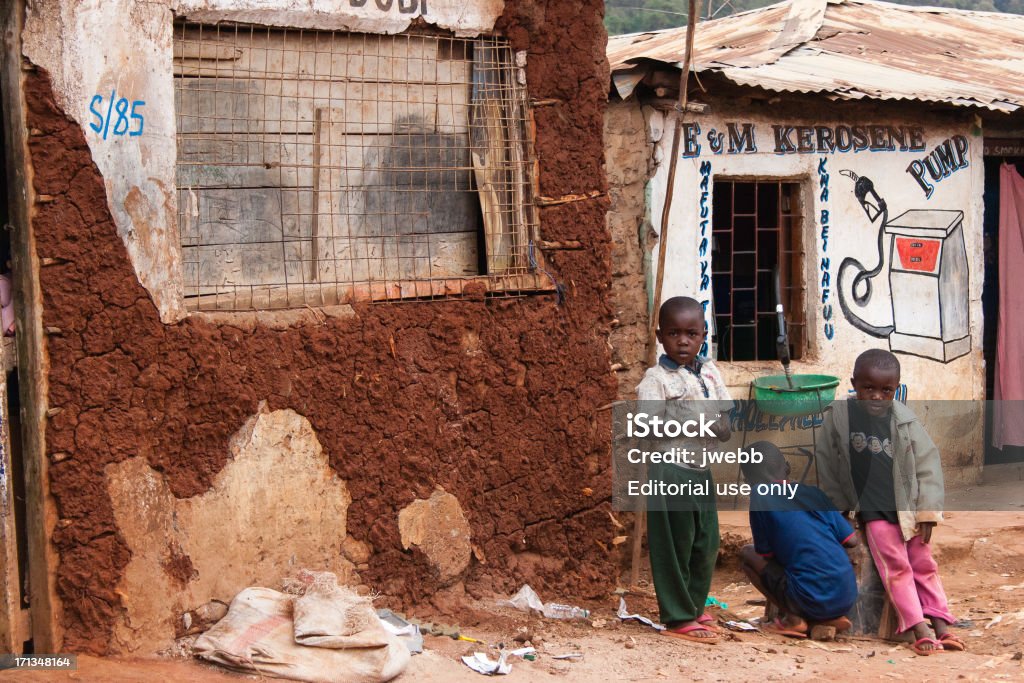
column 810, row 394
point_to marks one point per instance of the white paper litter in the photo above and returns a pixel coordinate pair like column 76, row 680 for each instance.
column 571, row 655
column 483, row 664
column 740, row 626
column 624, row 615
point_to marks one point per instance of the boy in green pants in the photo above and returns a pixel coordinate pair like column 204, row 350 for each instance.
column 682, row 530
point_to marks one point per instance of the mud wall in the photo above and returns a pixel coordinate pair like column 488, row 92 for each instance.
column 493, row 400
column 629, row 155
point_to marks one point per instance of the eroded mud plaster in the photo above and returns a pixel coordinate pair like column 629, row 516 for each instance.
column 276, row 507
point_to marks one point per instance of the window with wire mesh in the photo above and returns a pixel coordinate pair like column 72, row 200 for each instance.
column 317, row 168
column 757, row 263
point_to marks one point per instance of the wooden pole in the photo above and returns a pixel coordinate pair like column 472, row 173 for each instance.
column 652, row 348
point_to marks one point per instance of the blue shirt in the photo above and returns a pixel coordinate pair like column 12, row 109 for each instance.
column 805, row 536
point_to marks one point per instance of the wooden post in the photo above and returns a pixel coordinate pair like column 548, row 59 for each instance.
column 640, row 522
column 40, row 509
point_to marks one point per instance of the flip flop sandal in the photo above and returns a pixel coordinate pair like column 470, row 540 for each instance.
column 951, row 643
column 916, row 647
column 685, row 633
column 780, row 629
column 709, row 622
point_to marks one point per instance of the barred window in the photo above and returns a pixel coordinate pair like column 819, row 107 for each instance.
column 317, row 168
column 757, row 263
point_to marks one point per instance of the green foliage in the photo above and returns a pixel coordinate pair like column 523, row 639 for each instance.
column 633, row 16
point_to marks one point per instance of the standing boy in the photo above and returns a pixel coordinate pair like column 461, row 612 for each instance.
column 797, row 560
column 682, row 534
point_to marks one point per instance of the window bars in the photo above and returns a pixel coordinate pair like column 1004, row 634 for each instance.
column 317, row 168
column 757, row 230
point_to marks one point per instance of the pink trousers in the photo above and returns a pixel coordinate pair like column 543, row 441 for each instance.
column 909, row 573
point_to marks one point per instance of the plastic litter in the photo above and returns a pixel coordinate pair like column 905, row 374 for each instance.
column 624, row 615
column 712, row 601
column 483, row 664
column 407, row 632
column 740, row 626
column 527, row 600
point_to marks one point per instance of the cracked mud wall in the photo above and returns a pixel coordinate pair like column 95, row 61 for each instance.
column 629, row 153
column 494, row 400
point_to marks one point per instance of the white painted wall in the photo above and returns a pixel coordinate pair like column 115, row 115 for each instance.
column 851, row 234
column 92, row 48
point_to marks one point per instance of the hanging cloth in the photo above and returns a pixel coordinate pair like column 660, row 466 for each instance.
column 1008, row 418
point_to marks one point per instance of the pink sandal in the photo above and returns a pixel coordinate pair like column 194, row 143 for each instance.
column 709, row 622
column 916, row 647
column 684, row 632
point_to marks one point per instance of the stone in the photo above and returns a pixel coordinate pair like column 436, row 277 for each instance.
column 438, row 527
column 821, row 632
column 355, row 551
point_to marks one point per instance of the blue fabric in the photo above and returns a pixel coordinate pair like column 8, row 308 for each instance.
column 805, row 536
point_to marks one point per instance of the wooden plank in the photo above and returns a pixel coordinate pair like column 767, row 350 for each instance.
column 41, row 512
column 317, row 55
column 216, row 160
column 244, row 236
column 241, row 107
column 404, row 257
column 328, row 294
column 213, row 217
column 208, row 269
column 378, row 205
column 246, row 107
column 209, row 50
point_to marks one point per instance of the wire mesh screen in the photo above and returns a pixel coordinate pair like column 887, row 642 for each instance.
column 317, row 168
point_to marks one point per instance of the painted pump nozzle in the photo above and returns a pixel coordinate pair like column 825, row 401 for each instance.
column 782, row 344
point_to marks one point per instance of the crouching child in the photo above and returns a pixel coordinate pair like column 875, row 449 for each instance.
column 797, row 559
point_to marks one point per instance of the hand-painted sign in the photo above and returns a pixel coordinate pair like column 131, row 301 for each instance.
column 826, row 260
column 941, row 162
column 120, row 113
column 403, row 6
column 742, row 139
column 702, row 248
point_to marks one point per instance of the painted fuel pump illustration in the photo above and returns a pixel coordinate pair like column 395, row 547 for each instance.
column 923, row 253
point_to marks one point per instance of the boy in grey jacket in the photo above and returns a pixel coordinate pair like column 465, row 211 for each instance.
column 877, row 459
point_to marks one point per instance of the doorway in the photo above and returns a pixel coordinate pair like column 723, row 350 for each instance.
column 997, row 152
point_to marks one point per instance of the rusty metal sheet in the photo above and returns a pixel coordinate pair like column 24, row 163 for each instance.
column 851, row 49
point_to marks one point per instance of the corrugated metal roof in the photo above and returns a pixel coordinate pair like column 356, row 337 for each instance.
column 850, row 49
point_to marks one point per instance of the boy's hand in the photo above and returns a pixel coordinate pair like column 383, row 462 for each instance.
column 722, row 431
column 926, row 531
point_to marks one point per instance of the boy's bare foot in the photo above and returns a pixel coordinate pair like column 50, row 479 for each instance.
column 790, row 626
column 795, row 623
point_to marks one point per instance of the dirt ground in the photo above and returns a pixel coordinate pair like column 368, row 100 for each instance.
column 982, row 559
